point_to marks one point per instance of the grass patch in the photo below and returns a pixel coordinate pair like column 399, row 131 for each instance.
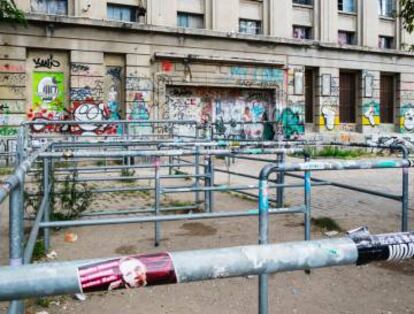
column 177, row 203
column 127, row 174
column 334, row 152
column 182, row 173
column 326, row 224
column 47, row 302
column 6, row 171
column 39, row 250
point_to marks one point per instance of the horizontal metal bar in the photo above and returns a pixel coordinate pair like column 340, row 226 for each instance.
column 108, row 190
column 135, row 211
column 223, row 188
column 110, row 168
column 132, row 220
column 211, row 152
column 350, row 187
column 135, row 178
column 47, row 279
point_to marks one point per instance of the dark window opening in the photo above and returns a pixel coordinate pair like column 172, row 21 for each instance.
column 346, row 38
column 305, row 2
column 302, row 32
column 309, row 95
column 387, row 98
column 250, row 27
column 385, row 42
column 347, row 97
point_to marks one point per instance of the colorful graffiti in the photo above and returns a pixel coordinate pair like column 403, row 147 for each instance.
column 48, row 91
column 407, row 118
column 259, row 76
column 96, row 114
column 5, row 124
column 236, row 112
column 291, row 120
column 48, row 99
column 371, row 113
column 114, row 86
column 139, row 111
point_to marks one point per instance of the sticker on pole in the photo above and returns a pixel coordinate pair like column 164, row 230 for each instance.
column 127, row 273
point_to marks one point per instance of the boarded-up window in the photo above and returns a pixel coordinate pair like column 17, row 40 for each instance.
column 387, row 98
column 347, row 97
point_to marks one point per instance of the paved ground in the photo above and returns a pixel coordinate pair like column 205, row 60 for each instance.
column 370, row 289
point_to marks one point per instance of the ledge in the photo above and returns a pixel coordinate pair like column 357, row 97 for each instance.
column 260, row 39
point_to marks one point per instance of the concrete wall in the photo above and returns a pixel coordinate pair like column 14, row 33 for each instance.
column 278, row 17
column 126, row 71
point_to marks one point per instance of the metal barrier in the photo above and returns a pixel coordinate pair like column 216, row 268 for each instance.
column 160, row 154
column 307, row 167
column 109, row 274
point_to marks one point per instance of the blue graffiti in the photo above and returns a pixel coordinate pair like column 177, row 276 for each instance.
column 80, row 93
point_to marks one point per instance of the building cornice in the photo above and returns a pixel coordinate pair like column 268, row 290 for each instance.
column 259, row 39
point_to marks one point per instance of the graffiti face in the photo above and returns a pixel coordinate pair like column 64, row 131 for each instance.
column 89, row 112
column 329, row 114
column 409, row 119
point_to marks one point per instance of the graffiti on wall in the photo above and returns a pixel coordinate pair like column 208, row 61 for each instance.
column 139, row 111
column 257, row 76
column 235, row 112
column 329, row 115
column 371, row 113
column 12, row 68
column 91, row 88
column 48, row 62
column 407, row 118
column 114, row 90
column 291, row 120
column 5, row 124
column 329, row 110
column 96, row 114
column 48, row 98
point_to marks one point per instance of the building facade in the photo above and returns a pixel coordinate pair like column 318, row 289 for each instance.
column 334, row 68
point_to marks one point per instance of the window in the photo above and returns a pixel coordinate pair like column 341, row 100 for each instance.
column 123, row 13
column 386, row 7
column 190, row 20
column 386, row 42
column 347, row 97
column 302, row 32
column 346, row 5
column 387, row 98
column 346, row 38
column 250, row 27
column 57, row 7
column 309, row 94
column 305, row 2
